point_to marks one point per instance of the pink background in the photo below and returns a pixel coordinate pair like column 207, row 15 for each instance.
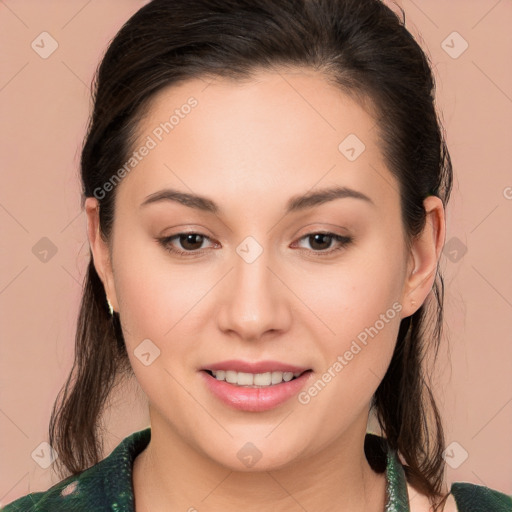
column 45, row 104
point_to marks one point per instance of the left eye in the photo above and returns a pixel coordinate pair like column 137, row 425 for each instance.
column 192, row 242
column 321, row 239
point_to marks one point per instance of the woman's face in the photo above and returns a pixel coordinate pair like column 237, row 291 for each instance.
column 257, row 285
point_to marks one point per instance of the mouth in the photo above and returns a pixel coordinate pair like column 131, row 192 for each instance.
column 255, row 380
column 255, row 391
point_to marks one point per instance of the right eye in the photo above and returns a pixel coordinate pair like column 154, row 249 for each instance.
column 189, row 241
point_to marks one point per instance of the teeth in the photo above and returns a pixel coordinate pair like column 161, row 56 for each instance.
column 254, row 379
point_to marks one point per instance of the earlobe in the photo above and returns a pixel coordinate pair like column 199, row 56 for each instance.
column 424, row 257
column 100, row 251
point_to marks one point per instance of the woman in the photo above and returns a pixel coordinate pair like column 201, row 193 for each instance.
column 265, row 186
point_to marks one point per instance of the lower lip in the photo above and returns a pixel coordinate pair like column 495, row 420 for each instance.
column 255, row 399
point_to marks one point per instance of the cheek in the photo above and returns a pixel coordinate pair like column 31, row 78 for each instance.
column 360, row 311
column 355, row 294
column 363, row 316
column 363, row 324
column 157, row 304
column 154, row 295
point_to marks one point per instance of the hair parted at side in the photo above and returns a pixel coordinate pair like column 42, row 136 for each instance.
column 361, row 46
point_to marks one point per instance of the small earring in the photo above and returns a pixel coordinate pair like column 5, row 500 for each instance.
column 110, row 308
column 413, row 303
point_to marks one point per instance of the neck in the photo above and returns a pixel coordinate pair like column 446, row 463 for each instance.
column 171, row 475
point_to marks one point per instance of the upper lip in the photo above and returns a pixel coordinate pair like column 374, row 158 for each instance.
column 255, row 367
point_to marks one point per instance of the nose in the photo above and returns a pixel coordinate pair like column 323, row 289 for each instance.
column 254, row 300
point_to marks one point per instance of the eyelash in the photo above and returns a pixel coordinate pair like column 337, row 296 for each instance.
column 344, row 241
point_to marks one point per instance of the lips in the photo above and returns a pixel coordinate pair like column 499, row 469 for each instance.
column 255, row 367
column 257, row 398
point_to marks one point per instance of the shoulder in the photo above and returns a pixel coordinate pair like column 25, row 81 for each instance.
column 105, row 486
column 464, row 497
column 471, row 497
column 52, row 499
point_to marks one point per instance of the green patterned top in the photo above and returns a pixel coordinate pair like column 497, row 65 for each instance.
column 107, row 486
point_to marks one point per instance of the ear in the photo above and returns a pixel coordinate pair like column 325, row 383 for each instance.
column 100, row 250
column 423, row 257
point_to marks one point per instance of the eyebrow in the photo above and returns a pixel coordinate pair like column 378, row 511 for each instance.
column 294, row 204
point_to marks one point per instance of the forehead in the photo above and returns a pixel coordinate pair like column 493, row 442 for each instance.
column 281, row 132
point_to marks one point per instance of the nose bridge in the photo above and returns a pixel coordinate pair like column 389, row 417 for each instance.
column 253, row 303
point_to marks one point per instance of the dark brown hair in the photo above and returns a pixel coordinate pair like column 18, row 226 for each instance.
column 361, row 46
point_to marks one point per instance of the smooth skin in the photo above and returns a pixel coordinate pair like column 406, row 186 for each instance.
column 250, row 147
